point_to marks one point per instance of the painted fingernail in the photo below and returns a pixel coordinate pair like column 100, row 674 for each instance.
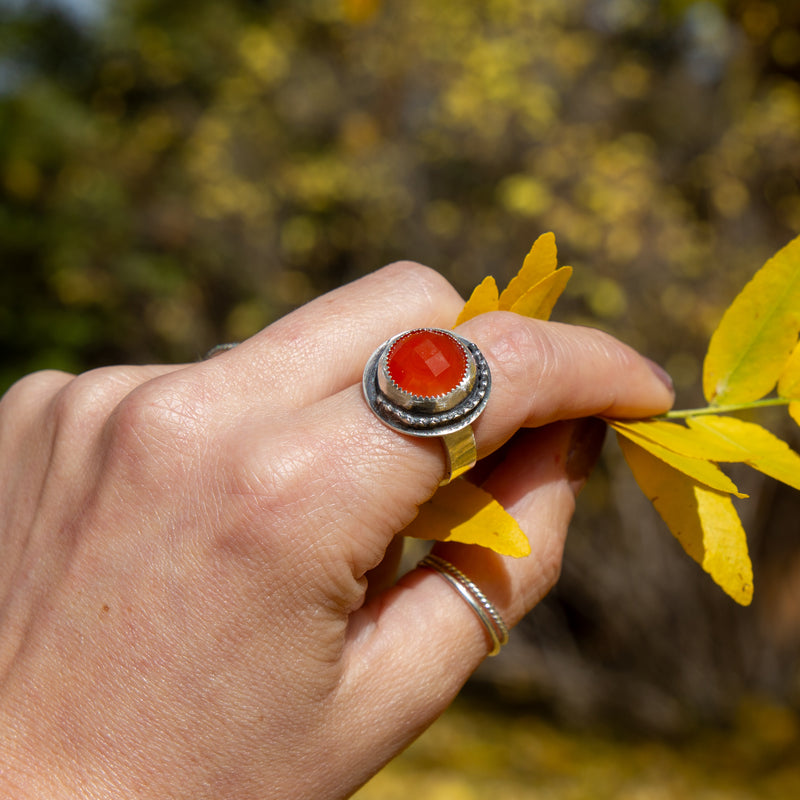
column 661, row 374
column 585, row 445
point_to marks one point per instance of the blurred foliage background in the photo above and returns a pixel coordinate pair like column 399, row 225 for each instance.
column 177, row 174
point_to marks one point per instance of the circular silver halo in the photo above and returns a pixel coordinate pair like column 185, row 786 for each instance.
column 428, row 416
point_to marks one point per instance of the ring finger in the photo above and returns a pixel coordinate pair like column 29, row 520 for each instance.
column 420, row 641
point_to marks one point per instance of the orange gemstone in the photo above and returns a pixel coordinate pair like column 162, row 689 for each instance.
column 427, row 363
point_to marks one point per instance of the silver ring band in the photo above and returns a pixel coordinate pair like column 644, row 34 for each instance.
column 476, row 599
column 219, row 348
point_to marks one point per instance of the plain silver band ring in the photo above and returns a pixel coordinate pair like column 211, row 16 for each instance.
column 476, row 599
column 219, row 348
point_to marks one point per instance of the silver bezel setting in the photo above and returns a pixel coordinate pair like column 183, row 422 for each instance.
column 426, row 404
column 427, row 416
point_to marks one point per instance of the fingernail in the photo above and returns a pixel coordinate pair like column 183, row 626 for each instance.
column 585, row 445
column 661, row 374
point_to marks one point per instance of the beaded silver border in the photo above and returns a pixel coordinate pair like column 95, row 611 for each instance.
column 419, row 419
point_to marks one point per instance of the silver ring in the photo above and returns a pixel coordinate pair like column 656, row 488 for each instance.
column 219, row 348
column 430, row 382
column 476, row 599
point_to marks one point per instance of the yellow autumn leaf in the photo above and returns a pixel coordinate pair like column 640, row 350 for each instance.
column 703, row 520
column 538, row 264
column 789, row 381
column 532, row 292
column 539, row 300
column 789, row 384
column 750, row 348
column 463, row 512
column 484, row 298
column 695, row 443
column 698, row 469
column 765, row 451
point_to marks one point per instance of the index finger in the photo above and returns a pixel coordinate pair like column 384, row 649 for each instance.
column 543, row 372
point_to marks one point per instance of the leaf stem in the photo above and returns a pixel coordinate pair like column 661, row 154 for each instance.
column 725, row 409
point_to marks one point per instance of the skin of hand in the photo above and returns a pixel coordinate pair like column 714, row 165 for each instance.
column 186, row 549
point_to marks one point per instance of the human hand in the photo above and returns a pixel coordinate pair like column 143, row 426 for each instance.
column 186, row 549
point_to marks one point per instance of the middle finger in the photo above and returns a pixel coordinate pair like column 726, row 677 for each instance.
column 321, row 348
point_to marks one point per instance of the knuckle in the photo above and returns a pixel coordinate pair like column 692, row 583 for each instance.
column 166, row 421
column 81, row 405
column 30, row 391
column 425, row 282
column 410, row 269
column 520, row 352
column 24, row 407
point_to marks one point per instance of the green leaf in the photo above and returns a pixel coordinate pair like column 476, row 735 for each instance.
column 703, row 520
column 765, row 451
column 750, row 348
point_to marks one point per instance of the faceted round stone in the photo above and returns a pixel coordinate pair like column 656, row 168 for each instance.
column 427, row 363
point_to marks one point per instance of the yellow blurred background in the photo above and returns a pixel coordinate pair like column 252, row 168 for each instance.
column 176, row 174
